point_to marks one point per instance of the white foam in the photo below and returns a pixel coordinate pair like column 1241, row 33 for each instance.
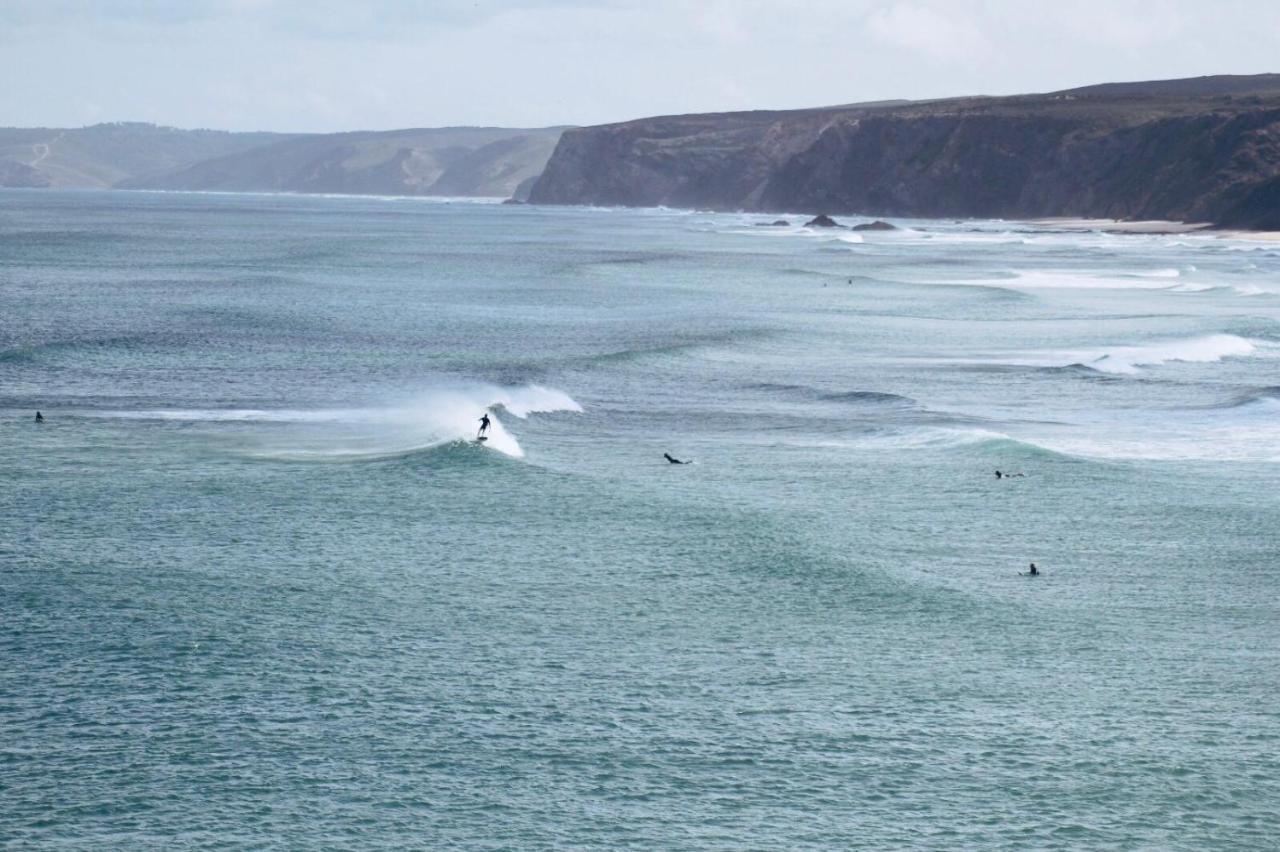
column 1198, row 350
column 1129, row 359
column 432, row 418
column 1153, row 279
column 534, row 399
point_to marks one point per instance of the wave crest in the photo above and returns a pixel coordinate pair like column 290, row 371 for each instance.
column 1130, row 359
column 433, row 418
column 1199, row 350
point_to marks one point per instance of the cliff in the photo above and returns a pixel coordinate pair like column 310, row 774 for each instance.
column 1206, row 149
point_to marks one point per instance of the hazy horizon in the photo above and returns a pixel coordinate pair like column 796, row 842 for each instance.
column 274, row 65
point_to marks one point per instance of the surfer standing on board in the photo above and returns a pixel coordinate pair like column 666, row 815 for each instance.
column 484, row 425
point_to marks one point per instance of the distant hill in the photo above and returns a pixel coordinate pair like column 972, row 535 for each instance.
column 444, row 161
column 104, row 154
column 1203, row 149
column 475, row 161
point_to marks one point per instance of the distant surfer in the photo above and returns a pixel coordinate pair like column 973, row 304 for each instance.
column 672, row 459
column 1002, row 475
column 1034, row 572
column 484, row 425
column 39, row 417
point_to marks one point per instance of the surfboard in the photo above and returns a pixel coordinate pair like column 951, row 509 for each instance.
column 481, row 439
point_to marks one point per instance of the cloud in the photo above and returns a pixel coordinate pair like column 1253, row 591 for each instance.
column 369, row 64
column 321, row 19
column 927, row 31
column 1111, row 25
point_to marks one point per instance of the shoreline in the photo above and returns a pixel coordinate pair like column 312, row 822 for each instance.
column 1148, row 227
column 1121, row 226
column 1154, row 227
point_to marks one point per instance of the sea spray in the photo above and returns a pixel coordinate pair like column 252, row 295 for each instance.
column 430, row 418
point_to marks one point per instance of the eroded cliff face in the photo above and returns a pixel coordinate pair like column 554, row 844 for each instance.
column 719, row 161
column 1189, row 168
column 1132, row 155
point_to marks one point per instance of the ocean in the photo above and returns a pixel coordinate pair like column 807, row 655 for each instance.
column 259, row 588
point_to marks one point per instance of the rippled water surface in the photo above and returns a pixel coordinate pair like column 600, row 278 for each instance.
column 258, row 588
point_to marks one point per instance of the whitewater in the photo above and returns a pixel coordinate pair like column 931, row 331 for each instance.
column 261, row 587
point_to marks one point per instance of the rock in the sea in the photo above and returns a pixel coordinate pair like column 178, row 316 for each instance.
column 776, row 223
column 822, row 221
column 877, row 225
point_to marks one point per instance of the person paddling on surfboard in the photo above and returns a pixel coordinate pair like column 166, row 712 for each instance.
column 669, row 458
column 484, row 425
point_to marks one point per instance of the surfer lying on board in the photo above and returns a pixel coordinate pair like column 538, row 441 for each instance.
column 669, row 458
column 1001, row 475
column 484, row 425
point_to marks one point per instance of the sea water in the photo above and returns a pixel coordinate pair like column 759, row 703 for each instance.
column 260, row 589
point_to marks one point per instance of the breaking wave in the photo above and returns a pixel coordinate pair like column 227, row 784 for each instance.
column 431, row 419
column 1199, row 350
column 1129, row 360
column 1153, row 279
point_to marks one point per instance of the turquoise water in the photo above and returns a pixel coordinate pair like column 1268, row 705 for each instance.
column 258, row 589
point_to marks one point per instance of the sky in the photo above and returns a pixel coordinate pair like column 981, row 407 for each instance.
column 330, row 65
